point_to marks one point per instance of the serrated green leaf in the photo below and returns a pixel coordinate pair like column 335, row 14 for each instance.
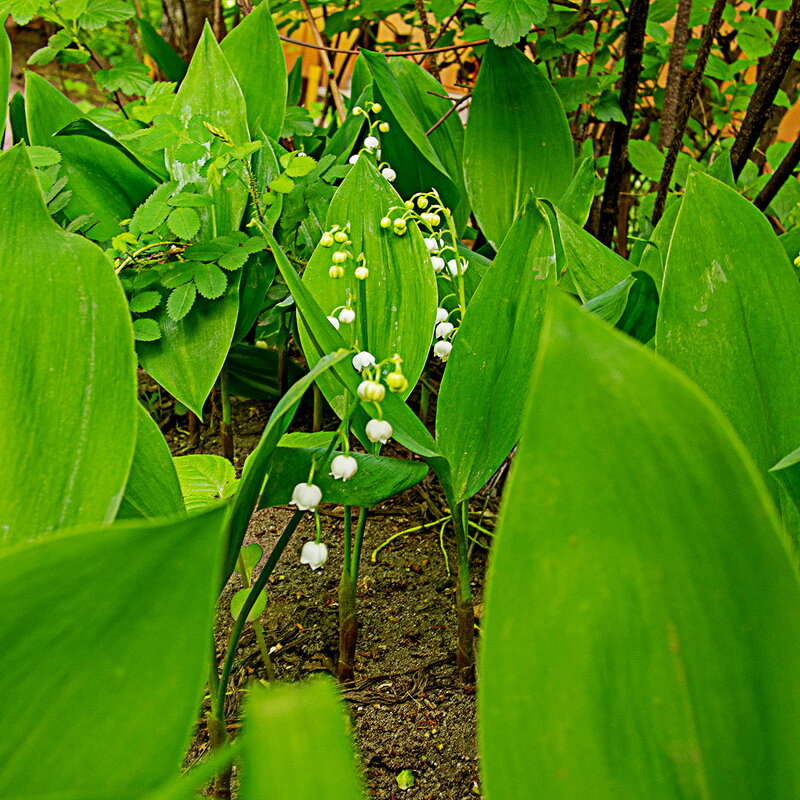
column 210, row 280
column 145, row 301
column 179, row 273
column 100, row 13
column 190, row 200
column 189, row 152
column 184, row 222
column 282, row 184
column 43, row 156
column 300, row 166
column 146, row 330
column 509, row 20
column 131, row 78
column 234, row 259
column 662, row 654
column 181, row 301
column 42, row 56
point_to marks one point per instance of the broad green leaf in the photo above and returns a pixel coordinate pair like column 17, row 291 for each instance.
column 5, row 77
column 152, row 489
column 103, row 181
column 188, row 358
column 576, row 202
column 210, row 89
column 787, row 473
column 68, row 416
column 106, row 645
column 517, row 138
column 408, row 430
column 654, row 255
column 396, row 305
column 631, row 306
column 377, row 477
column 204, row 480
column 728, row 316
column 257, row 276
column 255, row 55
column 283, row 727
column 483, row 388
column 642, row 615
column 593, row 267
column 100, row 13
column 509, row 20
column 171, row 64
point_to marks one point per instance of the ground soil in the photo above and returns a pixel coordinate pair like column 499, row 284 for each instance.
column 409, row 709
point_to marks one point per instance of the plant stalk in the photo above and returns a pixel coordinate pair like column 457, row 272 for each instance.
column 465, row 647
column 225, row 428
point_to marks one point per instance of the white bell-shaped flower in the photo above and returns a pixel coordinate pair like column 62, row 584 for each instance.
column 343, row 467
column 313, row 554
column 442, row 349
column 347, row 315
column 371, row 391
column 379, row 430
column 352, row 159
column 306, row 496
column 389, row 174
column 371, row 142
column 441, row 315
column 363, row 360
column 457, row 266
column 438, row 263
column 431, row 244
column 335, row 322
column 444, row 329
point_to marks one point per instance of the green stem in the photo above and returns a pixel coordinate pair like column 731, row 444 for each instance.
column 359, row 539
column 465, row 655
column 257, row 626
column 316, row 422
column 225, row 430
column 257, row 587
column 348, row 539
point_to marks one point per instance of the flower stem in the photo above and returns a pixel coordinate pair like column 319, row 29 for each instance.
column 465, row 655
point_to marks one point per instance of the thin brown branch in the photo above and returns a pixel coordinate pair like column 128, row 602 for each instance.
column 759, row 108
column 447, row 22
column 390, row 54
column 426, row 32
column 326, row 62
column 629, row 85
column 675, row 74
column 456, row 105
column 784, row 171
column 690, row 90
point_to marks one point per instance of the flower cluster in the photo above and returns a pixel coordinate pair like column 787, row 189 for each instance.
column 372, row 389
column 338, row 240
column 372, row 144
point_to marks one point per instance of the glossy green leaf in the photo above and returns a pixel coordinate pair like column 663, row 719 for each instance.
column 483, row 388
column 517, row 138
column 106, row 644
column 285, row 726
column 68, row 416
column 152, row 489
column 210, row 89
column 171, row 64
column 420, row 88
column 5, row 77
column 254, row 53
column 237, row 603
column 729, row 316
column 396, row 305
column 787, row 473
column 188, row 358
column 509, row 20
column 593, row 267
column 377, row 477
column 408, row 430
column 576, row 202
column 204, row 480
column 642, row 616
column 104, row 182
column 631, row 306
